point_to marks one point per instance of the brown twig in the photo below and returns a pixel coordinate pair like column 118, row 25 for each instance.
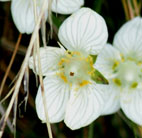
column 140, row 130
column 124, row 3
column 131, row 11
column 136, row 7
column 10, row 64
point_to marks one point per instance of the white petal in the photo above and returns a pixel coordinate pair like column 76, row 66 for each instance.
column 106, row 59
column 66, row 6
column 112, row 95
column 23, row 15
column 129, row 37
column 85, row 30
column 84, row 106
column 131, row 104
column 49, row 58
column 57, row 95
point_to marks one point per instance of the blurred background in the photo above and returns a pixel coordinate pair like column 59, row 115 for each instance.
column 28, row 124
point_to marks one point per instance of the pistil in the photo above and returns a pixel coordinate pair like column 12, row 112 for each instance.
column 76, row 68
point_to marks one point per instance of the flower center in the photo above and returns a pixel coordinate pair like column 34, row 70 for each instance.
column 76, row 68
column 128, row 74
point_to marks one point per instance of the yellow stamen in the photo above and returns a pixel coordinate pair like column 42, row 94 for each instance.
column 116, row 63
column 134, row 85
column 62, row 76
column 117, row 82
column 91, row 72
column 62, row 61
column 68, row 54
column 122, row 58
column 76, row 53
column 84, row 82
column 139, row 63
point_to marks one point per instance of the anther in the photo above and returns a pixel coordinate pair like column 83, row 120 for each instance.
column 71, row 73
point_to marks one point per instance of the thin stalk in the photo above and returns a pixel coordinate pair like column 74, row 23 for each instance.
column 91, row 132
column 10, row 92
column 15, row 114
column 10, row 64
column 41, row 78
column 23, row 67
column 136, row 7
column 43, row 31
column 50, row 17
column 131, row 11
column 140, row 6
column 124, row 3
column 9, row 124
column 140, row 130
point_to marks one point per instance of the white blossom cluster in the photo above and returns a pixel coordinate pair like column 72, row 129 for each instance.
column 72, row 94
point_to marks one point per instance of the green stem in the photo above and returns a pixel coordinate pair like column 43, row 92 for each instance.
column 91, row 132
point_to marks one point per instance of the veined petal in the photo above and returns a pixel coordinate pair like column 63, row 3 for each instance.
column 85, row 30
column 84, row 106
column 56, row 95
column 128, row 38
column 23, row 14
column 131, row 104
column 49, row 58
column 66, row 6
column 112, row 95
column 107, row 61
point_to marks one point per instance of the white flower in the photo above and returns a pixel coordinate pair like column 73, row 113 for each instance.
column 70, row 92
column 66, row 6
column 23, row 14
column 23, row 11
column 122, row 66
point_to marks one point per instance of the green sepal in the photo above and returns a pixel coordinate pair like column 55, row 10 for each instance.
column 99, row 78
